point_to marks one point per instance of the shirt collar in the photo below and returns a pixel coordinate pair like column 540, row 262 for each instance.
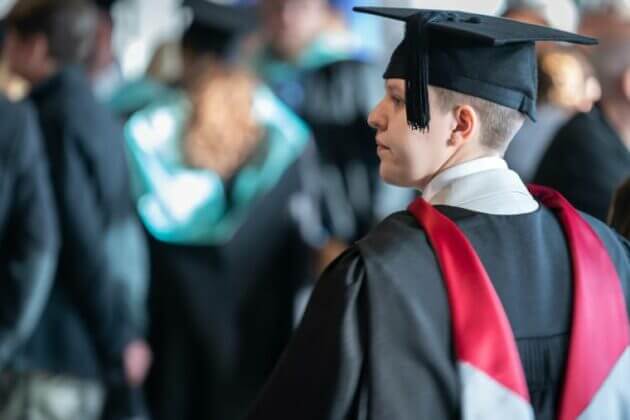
column 484, row 185
column 446, row 177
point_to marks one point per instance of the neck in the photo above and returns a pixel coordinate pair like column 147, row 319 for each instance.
column 617, row 113
column 462, row 155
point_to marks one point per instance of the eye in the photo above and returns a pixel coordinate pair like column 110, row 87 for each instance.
column 398, row 101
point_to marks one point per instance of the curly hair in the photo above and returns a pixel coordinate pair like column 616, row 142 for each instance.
column 222, row 134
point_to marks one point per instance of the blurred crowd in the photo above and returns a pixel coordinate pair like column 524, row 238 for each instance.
column 159, row 235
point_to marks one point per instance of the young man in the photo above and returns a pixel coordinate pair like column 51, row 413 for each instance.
column 483, row 300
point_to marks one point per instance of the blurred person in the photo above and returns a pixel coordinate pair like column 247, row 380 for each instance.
column 29, row 248
column 590, row 155
column 102, row 65
column 557, row 14
column 107, row 80
column 603, row 18
column 87, row 345
column 567, row 85
column 122, row 96
column 484, row 299
column 317, row 66
column 619, row 216
column 527, row 11
column 222, row 172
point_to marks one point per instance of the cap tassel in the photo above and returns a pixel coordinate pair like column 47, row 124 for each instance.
column 417, row 84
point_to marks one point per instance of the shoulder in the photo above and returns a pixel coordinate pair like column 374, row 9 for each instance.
column 379, row 247
column 389, row 233
column 398, row 244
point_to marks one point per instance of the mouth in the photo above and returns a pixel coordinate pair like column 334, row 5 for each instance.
column 380, row 146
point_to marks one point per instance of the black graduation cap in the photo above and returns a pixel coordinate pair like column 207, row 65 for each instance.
column 106, row 4
column 483, row 56
column 216, row 26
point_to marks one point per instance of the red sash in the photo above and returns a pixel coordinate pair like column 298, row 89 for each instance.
column 483, row 338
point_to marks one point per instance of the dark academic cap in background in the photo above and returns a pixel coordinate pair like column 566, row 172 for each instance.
column 105, row 4
column 482, row 56
column 216, row 26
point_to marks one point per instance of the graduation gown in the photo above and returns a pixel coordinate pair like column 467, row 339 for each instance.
column 227, row 257
column 376, row 340
column 586, row 162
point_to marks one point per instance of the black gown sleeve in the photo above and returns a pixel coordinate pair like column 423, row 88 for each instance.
column 318, row 377
column 31, row 240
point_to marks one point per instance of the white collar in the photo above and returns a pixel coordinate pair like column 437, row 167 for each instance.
column 484, row 185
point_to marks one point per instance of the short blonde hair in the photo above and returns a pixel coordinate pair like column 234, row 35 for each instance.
column 499, row 124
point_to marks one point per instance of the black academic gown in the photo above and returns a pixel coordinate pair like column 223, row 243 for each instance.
column 376, row 339
column 222, row 314
column 586, row 162
column 28, row 232
column 87, row 322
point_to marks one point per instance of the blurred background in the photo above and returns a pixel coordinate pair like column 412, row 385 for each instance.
column 175, row 175
column 143, row 25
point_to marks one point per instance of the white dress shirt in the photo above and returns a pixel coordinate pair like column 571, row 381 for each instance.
column 484, row 185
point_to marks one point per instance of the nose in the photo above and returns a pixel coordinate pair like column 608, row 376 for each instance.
column 377, row 119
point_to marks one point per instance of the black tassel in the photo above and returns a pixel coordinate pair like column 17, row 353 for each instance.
column 417, row 84
column 413, row 91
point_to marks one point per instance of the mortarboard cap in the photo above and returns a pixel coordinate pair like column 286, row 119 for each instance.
column 215, row 25
column 105, row 4
column 482, row 56
column 222, row 16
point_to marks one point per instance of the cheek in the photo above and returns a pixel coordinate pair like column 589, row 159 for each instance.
column 415, row 160
column 399, row 164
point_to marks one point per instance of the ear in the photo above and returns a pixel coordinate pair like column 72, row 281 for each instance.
column 466, row 122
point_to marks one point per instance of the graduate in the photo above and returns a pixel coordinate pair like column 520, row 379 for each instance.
column 485, row 299
column 220, row 169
